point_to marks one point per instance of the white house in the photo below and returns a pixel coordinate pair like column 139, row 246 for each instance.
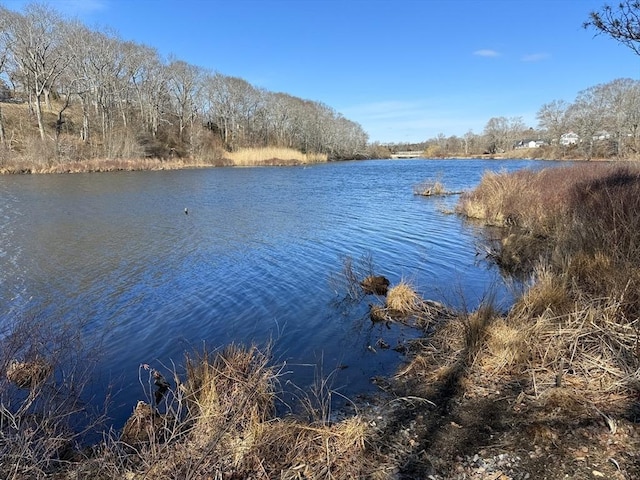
column 602, row 135
column 570, row 138
column 530, row 144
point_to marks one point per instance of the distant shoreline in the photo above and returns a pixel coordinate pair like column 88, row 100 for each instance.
column 155, row 164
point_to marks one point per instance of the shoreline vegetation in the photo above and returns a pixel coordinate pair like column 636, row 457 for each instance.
column 246, row 157
column 547, row 389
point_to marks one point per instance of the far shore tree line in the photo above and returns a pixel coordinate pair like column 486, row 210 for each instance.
column 86, row 93
column 602, row 122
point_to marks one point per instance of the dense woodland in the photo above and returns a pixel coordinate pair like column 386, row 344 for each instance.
column 91, row 94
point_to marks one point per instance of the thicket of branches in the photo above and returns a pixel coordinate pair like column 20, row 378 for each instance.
column 111, row 98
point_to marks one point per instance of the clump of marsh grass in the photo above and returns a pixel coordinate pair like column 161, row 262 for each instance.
column 273, row 156
column 403, row 303
column 220, row 422
column 403, row 299
column 430, row 188
column 28, row 374
column 575, row 326
column 375, row 285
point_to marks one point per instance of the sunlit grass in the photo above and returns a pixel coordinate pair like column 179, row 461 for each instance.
column 273, row 156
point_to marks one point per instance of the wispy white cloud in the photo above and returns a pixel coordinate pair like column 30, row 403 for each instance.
column 486, row 53
column 83, row 7
column 535, row 57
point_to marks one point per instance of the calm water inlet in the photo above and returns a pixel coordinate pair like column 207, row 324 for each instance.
column 251, row 262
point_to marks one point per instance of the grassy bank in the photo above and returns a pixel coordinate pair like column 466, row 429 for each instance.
column 572, row 234
column 214, row 420
column 253, row 157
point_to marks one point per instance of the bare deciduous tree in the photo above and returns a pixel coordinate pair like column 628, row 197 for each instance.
column 501, row 133
column 552, row 117
column 184, row 82
column 35, row 40
column 622, row 23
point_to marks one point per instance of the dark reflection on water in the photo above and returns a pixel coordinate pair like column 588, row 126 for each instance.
column 251, row 262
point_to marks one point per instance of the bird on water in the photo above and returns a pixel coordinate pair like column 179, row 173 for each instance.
column 186, row 211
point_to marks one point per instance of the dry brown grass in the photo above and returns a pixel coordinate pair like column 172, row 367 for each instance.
column 575, row 326
column 20, row 165
column 221, row 423
column 532, row 200
column 430, row 188
column 403, row 299
column 590, row 351
column 447, row 356
column 404, row 305
column 273, row 156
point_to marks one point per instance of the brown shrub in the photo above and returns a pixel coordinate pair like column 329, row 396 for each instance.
column 221, row 424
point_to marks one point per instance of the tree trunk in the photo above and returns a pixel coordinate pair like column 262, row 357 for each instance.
column 3, row 140
column 39, row 117
column 84, row 132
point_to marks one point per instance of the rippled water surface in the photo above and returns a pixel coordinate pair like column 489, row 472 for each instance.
column 251, row 262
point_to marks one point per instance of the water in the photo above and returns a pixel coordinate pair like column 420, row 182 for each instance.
column 252, row 261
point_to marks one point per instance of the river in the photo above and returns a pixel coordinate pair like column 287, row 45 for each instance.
column 253, row 259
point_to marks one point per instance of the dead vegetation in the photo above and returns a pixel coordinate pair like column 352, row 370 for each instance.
column 42, row 377
column 433, row 188
column 220, row 422
column 273, row 156
column 404, row 305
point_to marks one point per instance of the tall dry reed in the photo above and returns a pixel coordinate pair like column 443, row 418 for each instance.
column 577, row 230
column 273, row 156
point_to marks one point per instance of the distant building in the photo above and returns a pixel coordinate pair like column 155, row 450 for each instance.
column 601, row 135
column 570, row 138
column 530, row 144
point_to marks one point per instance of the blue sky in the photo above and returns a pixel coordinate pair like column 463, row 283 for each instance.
column 406, row 70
